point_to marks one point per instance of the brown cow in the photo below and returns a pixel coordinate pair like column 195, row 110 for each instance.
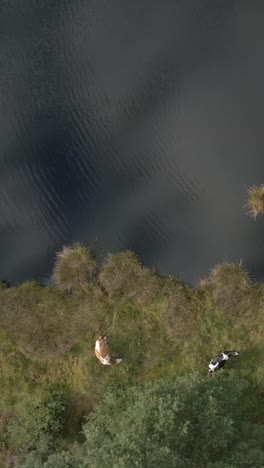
column 102, row 352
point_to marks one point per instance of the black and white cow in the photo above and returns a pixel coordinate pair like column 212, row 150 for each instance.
column 219, row 361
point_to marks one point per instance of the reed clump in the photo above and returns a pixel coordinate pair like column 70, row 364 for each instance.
column 123, row 275
column 75, row 266
column 230, row 285
column 255, row 203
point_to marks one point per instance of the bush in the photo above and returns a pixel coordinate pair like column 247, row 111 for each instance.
column 37, row 425
column 74, row 267
column 180, row 422
column 70, row 458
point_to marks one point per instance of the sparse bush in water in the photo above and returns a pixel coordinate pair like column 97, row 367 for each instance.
column 255, row 203
column 230, row 273
column 74, row 267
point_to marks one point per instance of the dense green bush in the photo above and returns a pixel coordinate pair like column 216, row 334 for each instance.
column 37, row 424
column 182, row 422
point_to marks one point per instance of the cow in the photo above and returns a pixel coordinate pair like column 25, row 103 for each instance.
column 219, row 361
column 102, row 352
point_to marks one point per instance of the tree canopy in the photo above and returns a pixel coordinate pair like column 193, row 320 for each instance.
column 182, row 422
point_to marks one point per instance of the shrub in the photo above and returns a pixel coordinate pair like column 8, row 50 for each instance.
column 70, row 458
column 37, row 425
column 74, row 267
column 255, row 203
column 181, row 422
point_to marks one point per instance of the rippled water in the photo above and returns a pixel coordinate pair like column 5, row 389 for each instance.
column 130, row 125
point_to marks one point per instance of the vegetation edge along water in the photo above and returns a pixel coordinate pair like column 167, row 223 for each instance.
column 59, row 407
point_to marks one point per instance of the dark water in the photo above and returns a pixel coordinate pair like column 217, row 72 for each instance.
column 131, row 125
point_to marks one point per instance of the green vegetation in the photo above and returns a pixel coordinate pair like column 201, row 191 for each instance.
column 255, row 203
column 59, row 407
column 37, row 423
column 181, row 422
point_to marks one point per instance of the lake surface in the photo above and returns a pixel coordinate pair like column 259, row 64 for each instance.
column 131, row 125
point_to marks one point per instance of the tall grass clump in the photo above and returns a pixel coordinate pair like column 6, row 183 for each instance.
column 74, row 267
column 123, row 275
column 230, row 285
column 255, row 203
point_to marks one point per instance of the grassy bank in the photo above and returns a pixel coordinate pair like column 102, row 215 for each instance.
column 161, row 327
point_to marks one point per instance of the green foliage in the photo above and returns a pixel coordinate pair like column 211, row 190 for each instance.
column 37, row 424
column 75, row 266
column 70, row 458
column 180, row 422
